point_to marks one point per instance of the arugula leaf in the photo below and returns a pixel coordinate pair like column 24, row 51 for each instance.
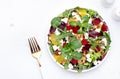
column 69, row 57
column 108, row 41
column 80, row 31
column 85, row 18
column 65, row 66
column 51, row 48
column 74, row 23
column 78, row 8
column 107, row 37
column 66, row 13
column 56, row 22
column 63, row 35
column 75, row 43
column 95, row 56
column 86, row 26
column 92, row 13
column 93, row 43
column 76, row 55
column 66, row 50
column 80, row 68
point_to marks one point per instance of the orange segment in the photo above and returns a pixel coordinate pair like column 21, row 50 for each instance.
column 53, row 39
column 59, row 58
column 82, row 12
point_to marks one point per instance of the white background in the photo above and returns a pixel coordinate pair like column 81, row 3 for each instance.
column 20, row 19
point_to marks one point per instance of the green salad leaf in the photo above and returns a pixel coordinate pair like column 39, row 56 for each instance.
column 74, row 23
column 56, row 22
column 92, row 13
column 66, row 13
column 85, row 18
column 77, row 55
column 95, row 56
column 63, row 35
column 80, row 68
column 51, row 48
column 75, row 43
column 86, row 26
column 107, row 36
column 65, row 66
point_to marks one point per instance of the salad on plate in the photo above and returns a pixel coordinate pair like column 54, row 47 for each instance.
column 78, row 39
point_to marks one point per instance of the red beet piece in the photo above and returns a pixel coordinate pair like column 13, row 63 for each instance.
column 75, row 29
column 98, row 48
column 96, row 21
column 86, row 47
column 56, row 52
column 93, row 33
column 104, row 27
column 73, row 61
column 84, row 42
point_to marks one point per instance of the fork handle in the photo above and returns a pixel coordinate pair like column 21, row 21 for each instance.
column 40, row 68
column 38, row 62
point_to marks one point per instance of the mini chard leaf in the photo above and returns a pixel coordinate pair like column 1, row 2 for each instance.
column 56, row 22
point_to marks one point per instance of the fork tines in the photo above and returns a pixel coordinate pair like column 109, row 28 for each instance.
column 33, row 45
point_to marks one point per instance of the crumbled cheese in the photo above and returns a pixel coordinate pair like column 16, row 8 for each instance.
column 66, row 39
column 59, row 53
column 65, row 20
column 57, row 32
column 91, row 50
column 70, row 66
column 88, row 55
column 105, row 41
column 90, row 21
column 98, row 30
column 74, row 13
column 89, row 59
column 76, row 16
column 55, row 47
column 86, row 35
column 66, row 57
column 103, row 47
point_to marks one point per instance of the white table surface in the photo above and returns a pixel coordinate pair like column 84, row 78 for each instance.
column 20, row 19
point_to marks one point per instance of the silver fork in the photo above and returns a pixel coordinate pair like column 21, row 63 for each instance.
column 35, row 50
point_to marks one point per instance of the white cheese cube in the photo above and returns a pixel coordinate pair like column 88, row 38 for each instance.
column 65, row 20
column 70, row 66
column 55, row 47
column 89, row 59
